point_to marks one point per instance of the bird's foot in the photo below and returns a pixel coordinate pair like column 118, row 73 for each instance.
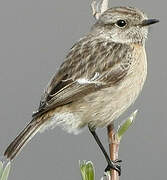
column 114, row 165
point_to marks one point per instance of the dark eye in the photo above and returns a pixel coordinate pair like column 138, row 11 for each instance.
column 121, row 23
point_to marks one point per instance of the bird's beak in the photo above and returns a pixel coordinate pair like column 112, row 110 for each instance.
column 148, row 22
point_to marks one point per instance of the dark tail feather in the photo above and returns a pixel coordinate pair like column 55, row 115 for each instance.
column 22, row 139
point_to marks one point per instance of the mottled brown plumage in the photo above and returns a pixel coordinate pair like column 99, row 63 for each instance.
column 100, row 78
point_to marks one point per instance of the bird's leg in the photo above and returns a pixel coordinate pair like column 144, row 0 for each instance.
column 111, row 164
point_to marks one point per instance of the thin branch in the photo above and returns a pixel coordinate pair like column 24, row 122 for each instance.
column 115, row 139
column 99, row 7
column 104, row 6
column 114, row 149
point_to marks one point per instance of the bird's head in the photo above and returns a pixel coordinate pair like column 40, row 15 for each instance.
column 123, row 25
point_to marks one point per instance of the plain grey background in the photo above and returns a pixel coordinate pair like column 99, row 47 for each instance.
column 35, row 36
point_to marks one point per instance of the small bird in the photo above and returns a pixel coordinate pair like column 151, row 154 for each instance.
column 101, row 76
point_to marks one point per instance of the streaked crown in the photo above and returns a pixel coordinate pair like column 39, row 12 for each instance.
column 123, row 25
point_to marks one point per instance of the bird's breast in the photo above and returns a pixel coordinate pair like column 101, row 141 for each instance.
column 108, row 104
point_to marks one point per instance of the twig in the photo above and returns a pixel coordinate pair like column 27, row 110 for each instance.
column 115, row 139
column 99, row 7
column 104, row 5
column 113, row 148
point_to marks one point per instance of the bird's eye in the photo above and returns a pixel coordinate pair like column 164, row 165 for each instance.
column 121, row 23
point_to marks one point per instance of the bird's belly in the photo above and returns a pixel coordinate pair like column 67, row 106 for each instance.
column 109, row 105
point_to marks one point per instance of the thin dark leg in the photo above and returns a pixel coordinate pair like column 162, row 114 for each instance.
column 111, row 164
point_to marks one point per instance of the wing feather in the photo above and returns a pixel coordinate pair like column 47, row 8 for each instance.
column 86, row 59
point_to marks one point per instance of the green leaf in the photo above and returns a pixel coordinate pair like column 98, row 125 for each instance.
column 90, row 170
column 1, row 168
column 87, row 170
column 126, row 124
column 6, row 171
column 82, row 169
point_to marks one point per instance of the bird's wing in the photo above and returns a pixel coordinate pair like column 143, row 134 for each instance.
column 88, row 67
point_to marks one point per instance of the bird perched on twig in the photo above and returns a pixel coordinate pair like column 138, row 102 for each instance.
column 101, row 77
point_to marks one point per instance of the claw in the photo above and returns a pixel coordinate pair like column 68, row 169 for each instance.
column 118, row 161
column 114, row 166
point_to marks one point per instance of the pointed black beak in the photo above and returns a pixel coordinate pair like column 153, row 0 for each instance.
column 148, row 22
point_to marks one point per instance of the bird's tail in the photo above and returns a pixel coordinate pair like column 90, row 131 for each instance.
column 22, row 139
